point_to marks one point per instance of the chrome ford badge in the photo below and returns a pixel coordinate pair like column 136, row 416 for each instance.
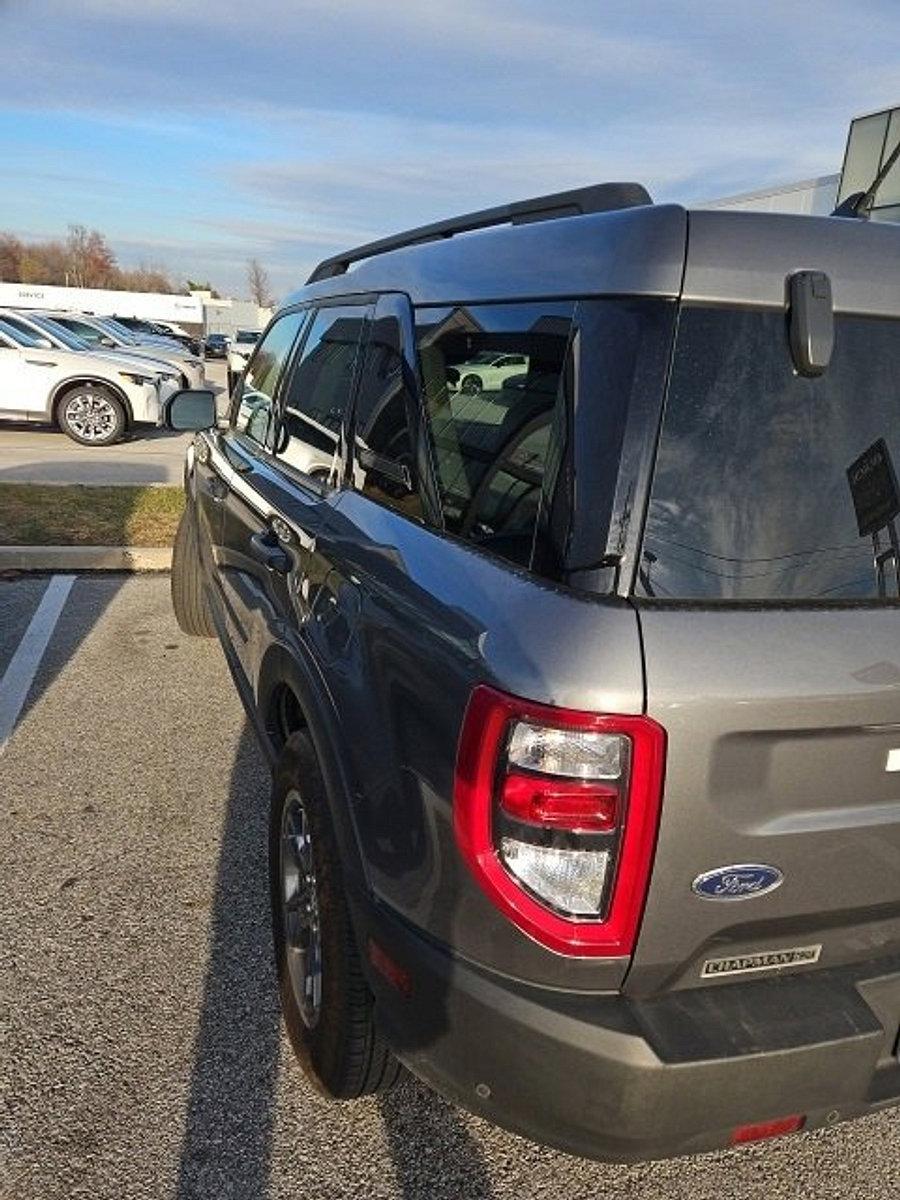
column 740, row 882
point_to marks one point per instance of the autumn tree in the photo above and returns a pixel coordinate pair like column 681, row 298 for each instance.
column 11, row 250
column 85, row 259
column 44, row 262
column 144, row 279
column 92, row 263
column 195, row 285
column 258, row 283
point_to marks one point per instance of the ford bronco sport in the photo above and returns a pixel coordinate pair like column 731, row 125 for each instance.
column 581, row 695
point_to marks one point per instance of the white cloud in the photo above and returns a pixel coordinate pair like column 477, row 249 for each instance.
column 290, row 130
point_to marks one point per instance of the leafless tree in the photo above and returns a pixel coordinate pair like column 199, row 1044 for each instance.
column 258, row 283
column 91, row 260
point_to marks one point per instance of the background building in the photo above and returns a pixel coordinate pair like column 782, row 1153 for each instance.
column 198, row 312
column 870, row 140
column 810, row 197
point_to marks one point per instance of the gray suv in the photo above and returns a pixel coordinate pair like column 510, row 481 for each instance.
column 581, row 690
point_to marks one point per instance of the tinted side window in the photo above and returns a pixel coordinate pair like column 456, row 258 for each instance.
column 770, row 486
column 384, row 424
column 491, row 374
column 254, row 399
column 87, row 332
column 318, row 393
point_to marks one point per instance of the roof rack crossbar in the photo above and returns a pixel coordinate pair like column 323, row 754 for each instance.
column 599, row 197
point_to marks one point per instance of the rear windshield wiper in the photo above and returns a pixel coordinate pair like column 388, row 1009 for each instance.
column 860, row 203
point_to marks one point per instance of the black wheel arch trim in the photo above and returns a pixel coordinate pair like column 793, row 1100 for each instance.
column 280, row 668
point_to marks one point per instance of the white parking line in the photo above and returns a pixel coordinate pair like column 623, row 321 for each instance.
column 19, row 676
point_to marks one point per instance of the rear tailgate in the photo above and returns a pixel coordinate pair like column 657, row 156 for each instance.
column 769, row 600
column 780, row 729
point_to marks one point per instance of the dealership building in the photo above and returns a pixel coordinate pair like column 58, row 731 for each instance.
column 871, row 139
column 197, row 312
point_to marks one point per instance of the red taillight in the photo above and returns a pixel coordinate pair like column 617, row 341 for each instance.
column 556, row 813
column 767, row 1129
column 576, row 804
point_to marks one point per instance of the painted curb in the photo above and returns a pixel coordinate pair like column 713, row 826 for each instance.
column 85, row 558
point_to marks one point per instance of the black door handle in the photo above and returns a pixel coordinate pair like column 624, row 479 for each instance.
column 266, row 549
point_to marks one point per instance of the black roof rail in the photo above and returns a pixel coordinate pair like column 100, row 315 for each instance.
column 599, row 197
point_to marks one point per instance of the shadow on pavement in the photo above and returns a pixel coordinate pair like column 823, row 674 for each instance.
column 228, row 1141
column 432, row 1151
column 230, row 1115
column 149, row 455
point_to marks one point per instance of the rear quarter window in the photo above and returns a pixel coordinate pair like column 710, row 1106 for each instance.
column 491, row 376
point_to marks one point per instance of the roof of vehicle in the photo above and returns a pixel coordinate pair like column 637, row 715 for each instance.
column 735, row 257
column 76, row 315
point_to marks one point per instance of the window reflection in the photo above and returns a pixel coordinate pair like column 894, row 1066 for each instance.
column 751, row 499
column 255, row 400
column 384, row 465
column 491, row 374
column 318, row 393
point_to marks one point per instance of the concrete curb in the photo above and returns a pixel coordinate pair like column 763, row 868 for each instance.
column 85, row 558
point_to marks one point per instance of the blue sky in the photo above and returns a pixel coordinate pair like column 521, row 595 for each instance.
column 199, row 133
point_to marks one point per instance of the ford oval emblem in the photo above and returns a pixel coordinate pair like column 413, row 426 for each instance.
column 740, row 882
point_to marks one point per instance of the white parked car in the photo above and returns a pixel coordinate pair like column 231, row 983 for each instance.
column 101, row 335
column 240, row 347
column 36, row 325
column 91, row 398
column 487, row 371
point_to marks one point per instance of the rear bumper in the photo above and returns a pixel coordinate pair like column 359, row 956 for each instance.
column 607, row 1077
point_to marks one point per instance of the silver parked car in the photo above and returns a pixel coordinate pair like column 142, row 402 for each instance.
column 101, row 333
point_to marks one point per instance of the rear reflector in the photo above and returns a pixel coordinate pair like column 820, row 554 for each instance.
column 390, row 969
column 556, row 814
column 767, row 1129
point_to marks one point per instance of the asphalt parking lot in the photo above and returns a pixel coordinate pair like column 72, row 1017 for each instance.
column 41, row 454
column 141, row 1053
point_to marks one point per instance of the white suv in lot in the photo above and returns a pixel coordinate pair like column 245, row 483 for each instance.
column 93, row 399
column 487, row 371
column 36, row 325
column 240, row 347
column 101, row 334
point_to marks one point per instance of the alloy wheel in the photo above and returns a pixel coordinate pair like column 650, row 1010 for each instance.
column 300, row 910
column 91, row 416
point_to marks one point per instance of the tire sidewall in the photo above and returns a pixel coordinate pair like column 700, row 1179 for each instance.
column 471, row 385
column 189, row 599
column 321, row 1048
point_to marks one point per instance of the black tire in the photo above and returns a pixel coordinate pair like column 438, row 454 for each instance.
column 337, row 1044
column 91, row 415
column 471, row 385
column 189, row 599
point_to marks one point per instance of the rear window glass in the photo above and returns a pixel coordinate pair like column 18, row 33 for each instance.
column 770, row 486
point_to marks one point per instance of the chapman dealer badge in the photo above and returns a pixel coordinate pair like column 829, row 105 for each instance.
column 764, row 960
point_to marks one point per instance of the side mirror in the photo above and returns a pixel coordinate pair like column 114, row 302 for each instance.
column 191, row 410
column 107, row 341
